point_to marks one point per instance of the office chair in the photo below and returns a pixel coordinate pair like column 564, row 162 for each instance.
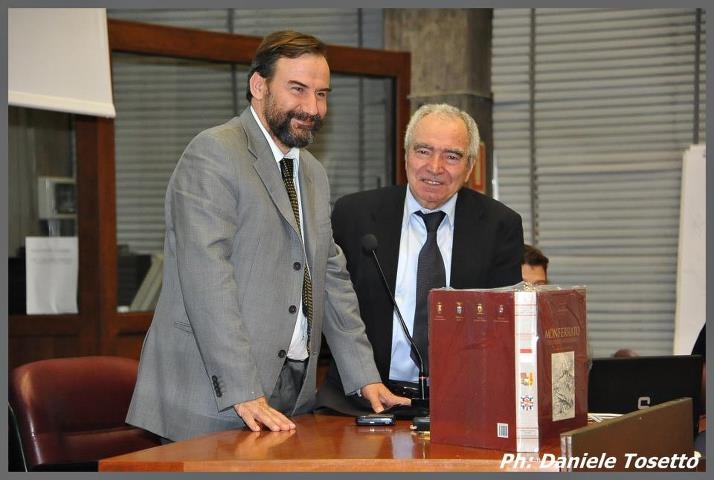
column 15, row 458
column 70, row 412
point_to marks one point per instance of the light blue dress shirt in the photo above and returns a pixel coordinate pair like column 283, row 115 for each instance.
column 412, row 239
column 298, row 344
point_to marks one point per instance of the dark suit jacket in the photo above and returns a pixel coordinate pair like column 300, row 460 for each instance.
column 487, row 253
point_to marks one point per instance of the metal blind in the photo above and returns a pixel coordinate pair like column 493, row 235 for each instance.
column 609, row 99
column 163, row 102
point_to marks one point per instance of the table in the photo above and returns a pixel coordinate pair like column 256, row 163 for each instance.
column 321, row 443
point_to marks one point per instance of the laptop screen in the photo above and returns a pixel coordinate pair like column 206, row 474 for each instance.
column 622, row 385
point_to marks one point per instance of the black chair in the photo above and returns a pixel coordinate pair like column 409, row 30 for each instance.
column 15, row 458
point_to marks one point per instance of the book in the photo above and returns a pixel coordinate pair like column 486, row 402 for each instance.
column 508, row 366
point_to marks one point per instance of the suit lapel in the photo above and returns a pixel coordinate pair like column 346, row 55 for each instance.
column 388, row 228
column 466, row 251
column 309, row 209
column 267, row 169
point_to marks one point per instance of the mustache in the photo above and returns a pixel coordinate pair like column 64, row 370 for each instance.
column 305, row 117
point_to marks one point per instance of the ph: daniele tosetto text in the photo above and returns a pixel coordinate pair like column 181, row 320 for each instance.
column 602, row 461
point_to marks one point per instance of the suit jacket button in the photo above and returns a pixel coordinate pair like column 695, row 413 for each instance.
column 297, row 266
column 292, row 309
column 282, row 353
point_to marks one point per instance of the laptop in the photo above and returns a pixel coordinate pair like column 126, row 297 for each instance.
column 623, row 385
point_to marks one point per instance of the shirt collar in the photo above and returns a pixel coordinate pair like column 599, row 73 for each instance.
column 449, row 207
column 293, row 153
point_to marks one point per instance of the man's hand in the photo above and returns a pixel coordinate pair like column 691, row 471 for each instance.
column 257, row 412
column 381, row 397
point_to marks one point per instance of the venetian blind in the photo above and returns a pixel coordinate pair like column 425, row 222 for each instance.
column 593, row 111
column 163, row 102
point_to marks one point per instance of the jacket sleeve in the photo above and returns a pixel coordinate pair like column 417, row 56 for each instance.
column 506, row 266
column 344, row 328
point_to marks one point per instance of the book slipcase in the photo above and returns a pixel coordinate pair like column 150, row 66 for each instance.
column 508, row 366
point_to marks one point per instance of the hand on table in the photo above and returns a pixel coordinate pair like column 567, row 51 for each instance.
column 257, row 413
column 380, row 397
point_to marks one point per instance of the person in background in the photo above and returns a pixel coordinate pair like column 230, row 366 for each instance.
column 625, row 353
column 432, row 232
column 534, row 266
column 252, row 276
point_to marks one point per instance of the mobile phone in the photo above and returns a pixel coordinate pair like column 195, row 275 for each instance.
column 421, row 424
column 376, row 419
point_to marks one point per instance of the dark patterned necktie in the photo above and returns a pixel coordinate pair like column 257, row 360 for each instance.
column 430, row 274
column 286, row 169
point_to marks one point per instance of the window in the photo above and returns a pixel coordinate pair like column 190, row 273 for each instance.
column 593, row 111
column 162, row 102
column 41, row 166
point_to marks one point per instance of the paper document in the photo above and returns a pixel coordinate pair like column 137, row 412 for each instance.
column 52, row 265
column 600, row 417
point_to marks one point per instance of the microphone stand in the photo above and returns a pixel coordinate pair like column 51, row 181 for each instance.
column 422, row 401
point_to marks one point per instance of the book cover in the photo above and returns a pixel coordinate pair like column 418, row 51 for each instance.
column 508, row 365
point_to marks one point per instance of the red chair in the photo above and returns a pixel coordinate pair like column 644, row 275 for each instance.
column 70, row 412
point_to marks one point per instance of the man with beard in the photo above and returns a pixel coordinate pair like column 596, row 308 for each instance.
column 252, row 276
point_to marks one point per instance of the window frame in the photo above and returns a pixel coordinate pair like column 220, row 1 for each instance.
column 98, row 328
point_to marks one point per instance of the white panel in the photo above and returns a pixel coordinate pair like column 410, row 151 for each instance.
column 58, row 59
column 691, row 260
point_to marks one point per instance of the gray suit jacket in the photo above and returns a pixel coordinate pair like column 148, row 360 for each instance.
column 232, row 270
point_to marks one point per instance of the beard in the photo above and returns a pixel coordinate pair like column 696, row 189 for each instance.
column 279, row 123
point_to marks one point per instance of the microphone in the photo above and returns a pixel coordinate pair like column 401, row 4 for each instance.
column 369, row 244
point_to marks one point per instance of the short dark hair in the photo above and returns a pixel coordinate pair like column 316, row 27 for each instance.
column 283, row 43
column 534, row 257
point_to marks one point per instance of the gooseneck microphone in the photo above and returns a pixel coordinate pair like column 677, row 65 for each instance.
column 369, row 244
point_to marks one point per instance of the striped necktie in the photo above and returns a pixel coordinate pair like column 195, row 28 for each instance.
column 286, row 169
